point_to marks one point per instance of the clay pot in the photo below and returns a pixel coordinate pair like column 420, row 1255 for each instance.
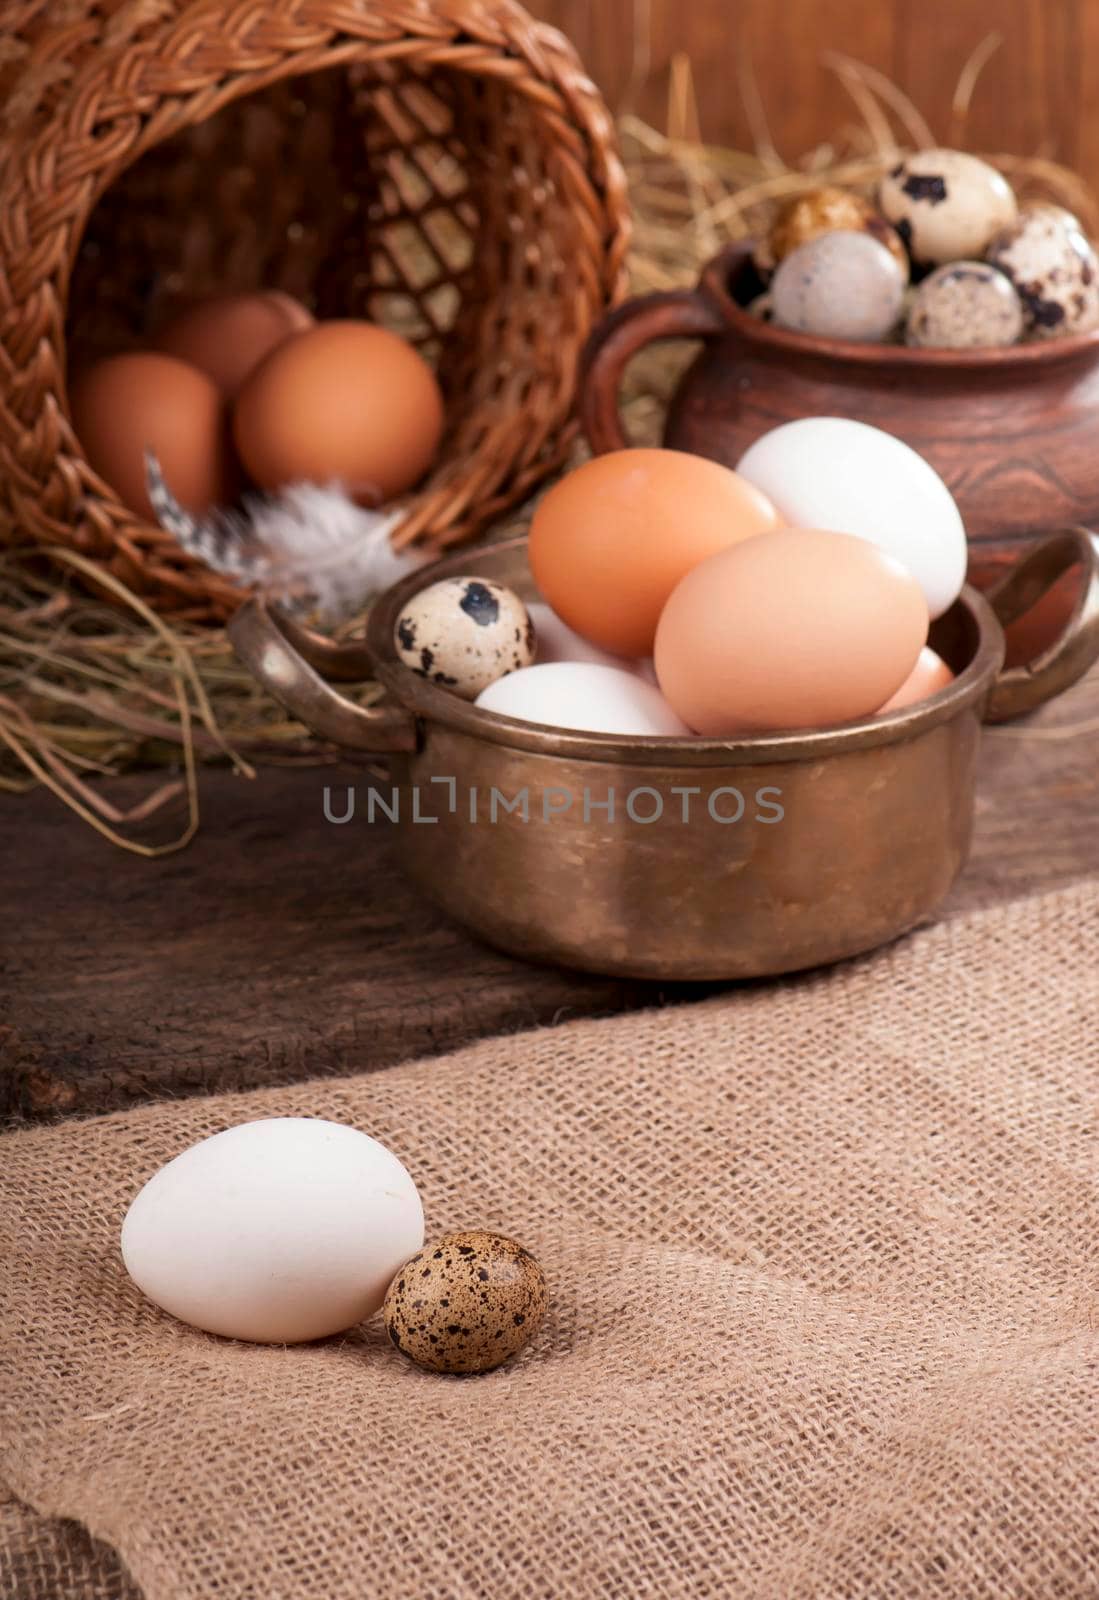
column 1014, row 432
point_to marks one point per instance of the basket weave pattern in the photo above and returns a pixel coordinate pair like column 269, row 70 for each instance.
column 445, row 168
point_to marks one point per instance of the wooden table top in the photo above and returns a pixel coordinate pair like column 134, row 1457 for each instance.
column 279, row 947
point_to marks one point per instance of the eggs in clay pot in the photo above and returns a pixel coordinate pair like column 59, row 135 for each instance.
column 928, row 676
column 799, row 629
column 838, row 474
column 946, row 205
column 1054, row 269
column 839, row 286
column 344, row 402
column 610, row 541
column 585, row 697
column 967, row 305
column 127, row 404
column 229, row 336
column 464, row 633
column 827, row 210
column 277, row 1231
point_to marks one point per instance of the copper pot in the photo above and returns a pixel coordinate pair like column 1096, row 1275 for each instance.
column 724, row 858
column 1013, row 432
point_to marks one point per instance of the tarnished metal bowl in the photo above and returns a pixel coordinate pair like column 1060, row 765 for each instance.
column 680, row 858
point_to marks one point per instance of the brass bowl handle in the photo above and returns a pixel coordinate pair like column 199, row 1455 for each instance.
column 623, row 334
column 1021, row 689
column 285, row 658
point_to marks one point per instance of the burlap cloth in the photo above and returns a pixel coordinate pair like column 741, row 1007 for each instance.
column 823, row 1259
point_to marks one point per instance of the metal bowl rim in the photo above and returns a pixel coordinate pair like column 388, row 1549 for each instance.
column 434, row 705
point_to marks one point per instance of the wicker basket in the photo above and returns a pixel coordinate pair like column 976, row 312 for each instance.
column 444, row 167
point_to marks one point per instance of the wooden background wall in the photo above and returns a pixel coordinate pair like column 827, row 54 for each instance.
column 1038, row 95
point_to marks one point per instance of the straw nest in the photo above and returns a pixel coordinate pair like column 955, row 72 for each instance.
column 90, row 688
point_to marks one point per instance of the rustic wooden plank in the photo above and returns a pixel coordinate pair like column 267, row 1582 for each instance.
column 1036, row 96
column 1085, row 51
column 279, row 947
column 1025, row 103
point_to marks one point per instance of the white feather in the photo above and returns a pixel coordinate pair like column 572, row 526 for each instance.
column 308, row 547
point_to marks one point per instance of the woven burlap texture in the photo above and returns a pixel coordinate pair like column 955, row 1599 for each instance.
column 824, row 1311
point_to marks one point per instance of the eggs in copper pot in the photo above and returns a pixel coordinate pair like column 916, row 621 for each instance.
column 610, row 541
column 928, row 676
column 586, row 697
column 798, row 629
column 229, row 335
column 844, row 475
column 127, row 404
column 345, row 402
column 464, row 633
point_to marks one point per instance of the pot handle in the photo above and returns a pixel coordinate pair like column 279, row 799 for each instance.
column 1024, row 688
column 623, row 334
column 288, row 661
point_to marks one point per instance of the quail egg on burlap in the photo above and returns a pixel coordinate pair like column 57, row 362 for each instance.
column 841, row 285
column 946, row 205
column 825, row 210
column 466, row 1302
column 1055, row 271
column 966, row 305
column 464, row 633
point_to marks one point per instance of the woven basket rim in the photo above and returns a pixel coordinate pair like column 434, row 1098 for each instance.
column 534, row 59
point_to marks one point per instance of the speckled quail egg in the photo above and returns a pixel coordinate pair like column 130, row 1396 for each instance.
column 1055, row 271
column 465, row 1303
column 946, row 205
column 966, row 305
column 762, row 307
column 825, row 210
column 464, row 633
column 840, row 285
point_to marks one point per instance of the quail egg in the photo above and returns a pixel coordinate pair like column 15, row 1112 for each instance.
column 966, row 305
column 841, row 285
column 464, row 633
column 762, row 307
column 1054, row 269
column 826, row 210
column 946, row 205
column 466, row 1302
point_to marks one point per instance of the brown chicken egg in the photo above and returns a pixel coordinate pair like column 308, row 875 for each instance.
column 229, row 336
column 610, row 541
column 799, row 629
column 343, row 402
column 128, row 404
column 928, row 676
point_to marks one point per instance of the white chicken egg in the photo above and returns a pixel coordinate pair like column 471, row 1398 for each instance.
column 586, row 697
column 280, row 1230
column 842, row 476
